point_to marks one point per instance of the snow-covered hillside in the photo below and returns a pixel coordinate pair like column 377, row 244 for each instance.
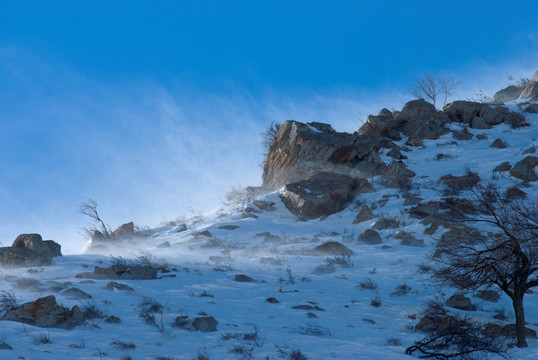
column 293, row 300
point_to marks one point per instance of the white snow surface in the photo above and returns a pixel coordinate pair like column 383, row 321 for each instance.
column 349, row 327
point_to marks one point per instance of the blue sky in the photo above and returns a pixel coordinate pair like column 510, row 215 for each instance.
column 154, row 108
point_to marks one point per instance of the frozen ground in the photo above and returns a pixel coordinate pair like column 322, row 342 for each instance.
column 342, row 324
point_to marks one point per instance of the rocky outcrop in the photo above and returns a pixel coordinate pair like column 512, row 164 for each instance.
column 29, row 250
column 300, row 151
column 45, row 312
column 524, row 169
column 321, row 195
column 481, row 116
column 509, row 93
column 418, row 120
column 461, row 302
column 121, row 271
column 364, row 215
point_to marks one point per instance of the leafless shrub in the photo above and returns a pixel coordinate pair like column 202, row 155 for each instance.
column 323, row 269
column 482, row 98
column 91, row 310
column 202, row 354
column 462, row 338
column 268, row 137
column 393, row 341
column 521, row 82
column 80, row 345
column 313, row 330
column 122, row 345
column 42, row 339
column 242, row 350
column 152, row 313
column 375, row 301
column 401, row 290
column 237, row 195
column 368, row 284
column 7, row 300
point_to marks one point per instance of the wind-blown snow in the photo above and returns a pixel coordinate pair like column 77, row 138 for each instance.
column 348, row 328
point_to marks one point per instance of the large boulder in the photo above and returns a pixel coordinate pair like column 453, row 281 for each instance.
column 320, row 195
column 524, row 169
column 370, row 237
column 29, row 250
column 45, row 312
column 333, row 248
column 124, row 231
column 300, row 151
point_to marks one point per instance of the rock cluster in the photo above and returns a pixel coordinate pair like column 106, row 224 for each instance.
column 29, row 250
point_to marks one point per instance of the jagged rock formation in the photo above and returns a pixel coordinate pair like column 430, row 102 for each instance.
column 302, row 150
column 29, row 250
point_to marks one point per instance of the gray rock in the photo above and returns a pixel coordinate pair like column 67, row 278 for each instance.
column 120, row 271
column 514, row 193
column 408, row 239
column 333, row 248
column 498, row 143
column 118, row 286
column 205, row 324
column 434, row 322
column 524, row 169
column 364, row 215
column 321, row 195
column 461, row 302
column 45, row 312
column 76, row 293
column 124, row 231
column 509, row 93
column 464, row 182
column 265, row 205
column 416, row 107
column 5, row 346
column 530, row 150
column 505, row 166
column 243, row 278
column 514, row 120
column 532, row 108
column 385, row 223
column 370, row 237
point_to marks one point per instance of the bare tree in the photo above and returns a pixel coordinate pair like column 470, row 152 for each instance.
column 430, row 87
column 89, row 208
column 506, row 259
column 268, row 137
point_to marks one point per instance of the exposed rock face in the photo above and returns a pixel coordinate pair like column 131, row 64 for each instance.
column 509, row 93
column 46, row 313
column 333, row 248
column 124, row 231
column 321, row 195
column 29, row 250
column 300, row 151
column 524, row 169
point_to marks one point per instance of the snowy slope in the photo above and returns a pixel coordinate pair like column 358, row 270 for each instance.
column 343, row 323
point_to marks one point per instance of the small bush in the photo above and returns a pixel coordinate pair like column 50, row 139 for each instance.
column 323, row 269
column 80, row 345
column 343, row 261
column 375, row 302
column 91, row 310
column 122, row 345
column 152, row 312
column 202, row 354
column 244, row 351
column 401, row 290
column 368, row 284
column 42, row 339
column 297, row 355
column 7, row 300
